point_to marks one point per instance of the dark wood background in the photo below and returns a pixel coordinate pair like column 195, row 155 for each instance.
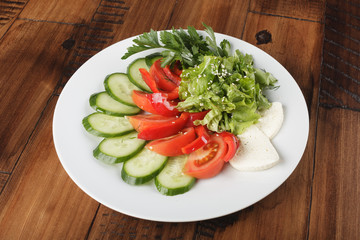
column 43, row 42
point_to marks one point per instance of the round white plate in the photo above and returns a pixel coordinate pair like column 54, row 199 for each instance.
column 226, row 193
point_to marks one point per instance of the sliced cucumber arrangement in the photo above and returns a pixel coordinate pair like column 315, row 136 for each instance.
column 104, row 125
column 119, row 149
column 121, row 144
column 135, row 76
column 119, row 87
column 143, row 167
column 103, row 102
column 171, row 180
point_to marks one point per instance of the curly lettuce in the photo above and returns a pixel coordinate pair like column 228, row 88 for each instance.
column 230, row 87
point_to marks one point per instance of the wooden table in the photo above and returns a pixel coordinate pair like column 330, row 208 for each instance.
column 42, row 43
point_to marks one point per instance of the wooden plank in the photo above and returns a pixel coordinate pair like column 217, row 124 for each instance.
column 272, row 218
column 309, row 10
column 340, row 75
column 112, row 225
column 3, row 179
column 40, row 201
column 9, row 10
column 335, row 206
column 226, row 17
column 64, row 11
column 30, row 73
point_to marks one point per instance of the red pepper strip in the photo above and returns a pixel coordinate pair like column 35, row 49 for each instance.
column 196, row 116
column 162, row 105
column 150, row 81
column 177, row 68
column 201, row 140
column 232, row 142
column 161, row 79
column 172, row 76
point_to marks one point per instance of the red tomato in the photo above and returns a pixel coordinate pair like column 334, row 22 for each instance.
column 207, row 161
column 171, row 146
column 161, row 79
column 142, row 100
column 232, row 143
column 163, row 129
column 162, row 105
column 203, row 137
column 143, row 121
column 196, row 116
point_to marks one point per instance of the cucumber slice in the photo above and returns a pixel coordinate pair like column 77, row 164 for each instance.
column 119, row 149
column 143, row 167
column 103, row 125
column 150, row 59
column 171, row 180
column 103, row 102
column 119, row 87
column 135, row 75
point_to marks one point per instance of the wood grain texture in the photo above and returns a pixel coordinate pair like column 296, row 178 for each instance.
column 3, row 179
column 40, row 201
column 9, row 10
column 340, row 73
column 335, row 206
column 113, row 225
column 30, row 73
column 64, row 11
column 226, row 17
column 307, row 10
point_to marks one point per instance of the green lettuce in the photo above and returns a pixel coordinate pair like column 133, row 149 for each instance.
column 230, row 87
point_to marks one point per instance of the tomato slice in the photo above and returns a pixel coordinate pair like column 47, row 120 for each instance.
column 196, row 116
column 161, row 79
column 203, row 137
column 142, row 100
column 162, row 105
column 207, row 161
column 163, row 129
column 232, row 143
column 171, row 146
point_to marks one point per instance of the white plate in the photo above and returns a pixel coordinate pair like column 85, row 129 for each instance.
column 226, row 193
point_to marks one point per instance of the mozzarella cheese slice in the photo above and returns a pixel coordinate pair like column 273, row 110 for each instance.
column 271, row 120
column 255, row 152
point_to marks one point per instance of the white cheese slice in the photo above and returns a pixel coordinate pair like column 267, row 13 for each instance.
column 255, row 152
column 271, row 120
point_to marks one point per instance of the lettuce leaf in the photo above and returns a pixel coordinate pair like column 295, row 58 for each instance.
column 230, row 87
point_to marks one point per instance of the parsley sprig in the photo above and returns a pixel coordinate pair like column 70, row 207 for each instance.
column 188, row 47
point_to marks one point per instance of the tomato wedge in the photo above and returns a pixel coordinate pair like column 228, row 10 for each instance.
column 171, row 146
column 196, row 116
column 162, row 129
column 207, row 161
column 142, row 100
column 161, row 79
column 202, row 138
column 232, row 143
